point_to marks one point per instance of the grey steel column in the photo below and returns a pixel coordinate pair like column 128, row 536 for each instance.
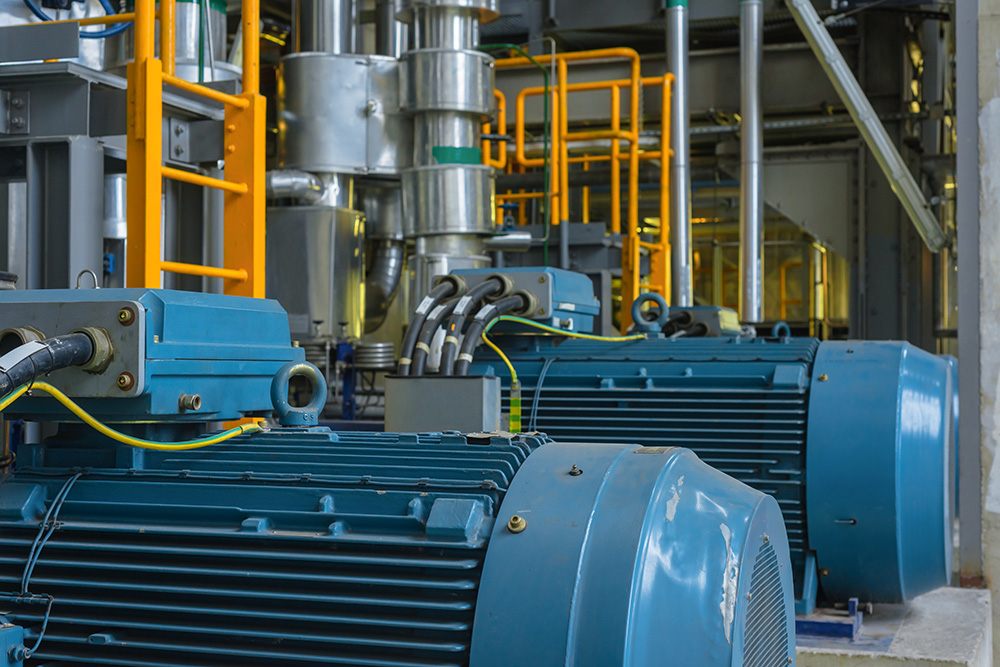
column 681, row 280
column 970, row 343
column 751, row 167
column 447, row 87
column 868, row 123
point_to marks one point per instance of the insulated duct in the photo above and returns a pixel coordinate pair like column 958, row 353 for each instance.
column 383, row 208
column 447, row 88
column 293, row 184
column 871, row 128
column 751, row 166
column 681, row 280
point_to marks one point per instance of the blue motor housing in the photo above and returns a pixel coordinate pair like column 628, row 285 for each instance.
column 853, row 439
column 303, row 547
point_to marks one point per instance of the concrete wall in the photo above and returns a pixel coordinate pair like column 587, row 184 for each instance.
column 989, row 299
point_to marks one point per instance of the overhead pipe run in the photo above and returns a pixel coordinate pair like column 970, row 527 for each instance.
column 681, row 277
column 751, row 166
column 871, row 128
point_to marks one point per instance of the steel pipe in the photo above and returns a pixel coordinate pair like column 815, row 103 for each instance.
column 751, row 166
column 324, row 26
column 391, row 36
column 882, row 147
column 681, row 277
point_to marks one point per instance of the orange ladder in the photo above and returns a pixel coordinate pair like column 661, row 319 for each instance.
column 243, row 180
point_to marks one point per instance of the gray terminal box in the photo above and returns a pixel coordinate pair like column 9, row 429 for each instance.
column 428, row 404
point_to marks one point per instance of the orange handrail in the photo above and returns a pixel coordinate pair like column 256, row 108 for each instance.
column 561, row 159
column 501, row 161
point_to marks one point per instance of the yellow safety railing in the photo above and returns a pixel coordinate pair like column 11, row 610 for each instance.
column 783, row 287
column 501, row 160
column 243, row 180
column 560, row 161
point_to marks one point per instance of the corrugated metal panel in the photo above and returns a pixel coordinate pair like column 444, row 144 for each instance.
column 280, row 549
column 736, row 404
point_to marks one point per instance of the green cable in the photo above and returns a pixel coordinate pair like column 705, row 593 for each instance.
column 546, row 213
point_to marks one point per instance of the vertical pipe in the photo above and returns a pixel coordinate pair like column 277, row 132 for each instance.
column 391, row 36
column 145, row 29
column 681, row 279
column 563, row 130
column 616, row 165
column 751, row 167
column 168, row 39
column 251, row 46
column 324, row 26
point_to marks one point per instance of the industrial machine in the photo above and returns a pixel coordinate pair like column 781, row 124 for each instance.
column 132, row 535
column 854, row 439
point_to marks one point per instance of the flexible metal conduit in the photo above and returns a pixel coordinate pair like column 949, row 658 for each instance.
column 751, row 166
column 871, row 128
column 681, row 278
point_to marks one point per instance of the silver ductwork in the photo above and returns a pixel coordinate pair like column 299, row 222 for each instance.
column 447, row 88
column 293, row 184
column 751, row 166
column 681, row 276
column 869, row 125
column 384, row 209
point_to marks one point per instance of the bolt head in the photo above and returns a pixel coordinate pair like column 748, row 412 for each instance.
column 823, row 378
column 126, row 316
column 517, row 524
column 125, row 381
column 17, row 122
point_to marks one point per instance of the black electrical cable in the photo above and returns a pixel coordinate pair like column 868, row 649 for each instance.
column 21, row 366
column 486, row 314
column 441, row 291
column 676, row 321
column 437, row 316
column 697, row 331
column 455, row 323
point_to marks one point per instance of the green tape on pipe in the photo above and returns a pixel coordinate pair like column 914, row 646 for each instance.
column 457, row 155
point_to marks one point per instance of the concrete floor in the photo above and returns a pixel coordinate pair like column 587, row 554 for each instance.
column 949, row 627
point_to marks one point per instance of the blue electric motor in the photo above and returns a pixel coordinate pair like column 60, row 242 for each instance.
column 300, row 546
column 853, row 439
